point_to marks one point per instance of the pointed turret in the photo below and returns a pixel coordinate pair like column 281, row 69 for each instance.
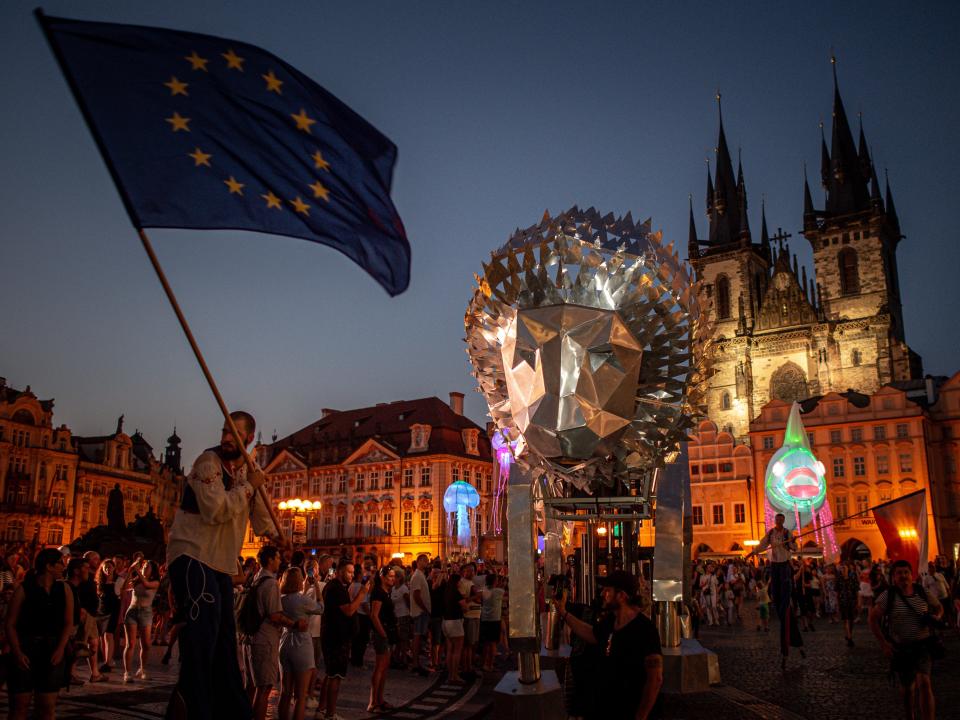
column 693, row 245
column 863, row 153
column 847, row 188
column 725, row 218
column 891, row 208
column 876, row 199
column 764, row 235
column 824, row 160
column 709, row 190
column 809, row 214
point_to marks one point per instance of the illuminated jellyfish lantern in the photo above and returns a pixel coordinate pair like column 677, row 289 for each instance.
column 458, row 497
column 795, row 482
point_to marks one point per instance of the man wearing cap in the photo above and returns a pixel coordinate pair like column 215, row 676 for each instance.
column 631, row 655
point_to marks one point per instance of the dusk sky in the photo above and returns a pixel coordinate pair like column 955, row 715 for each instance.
column 500, row 111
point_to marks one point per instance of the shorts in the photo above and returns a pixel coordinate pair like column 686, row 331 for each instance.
column 489, row 631
column 42, row 677
column 336, row 657
column 453, row 628
column 88, row 630
column 436, row 631
column 421, row 624
column 764, row 610
column 139, row 616
column 403, row 628
column 296, row 656
column 910, row 659
column 381, row 644
column 263, row 663
column 471, row 631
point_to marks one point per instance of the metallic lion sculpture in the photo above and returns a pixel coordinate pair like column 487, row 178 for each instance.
column 585, row 337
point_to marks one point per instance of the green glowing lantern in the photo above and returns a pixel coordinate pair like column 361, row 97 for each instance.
column 795, row 480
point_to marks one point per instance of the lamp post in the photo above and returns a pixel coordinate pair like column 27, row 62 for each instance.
column 298, row 509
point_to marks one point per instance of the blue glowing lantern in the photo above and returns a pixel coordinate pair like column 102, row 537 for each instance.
column 458, row 497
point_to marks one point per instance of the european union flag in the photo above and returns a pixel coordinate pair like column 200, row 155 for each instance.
column 203, row 132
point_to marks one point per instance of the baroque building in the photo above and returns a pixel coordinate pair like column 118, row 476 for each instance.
column 379, row 475
column 781, row 334
column 54, row 485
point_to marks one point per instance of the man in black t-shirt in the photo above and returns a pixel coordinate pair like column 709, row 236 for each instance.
column 336, row 632
column 630, row 672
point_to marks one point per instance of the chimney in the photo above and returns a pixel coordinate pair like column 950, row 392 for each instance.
column 327, row 412
column 456, row 402
column 931, row 390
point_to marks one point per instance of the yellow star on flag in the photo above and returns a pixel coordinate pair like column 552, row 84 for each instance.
column 236, row 188
column 319, row 191
column 178, row 122
column 300, row 206
column 177, row 87
column 303, row 122
column 273, row 82
column 272, row 201
column 200, row 157
column 233, row 60
column 319, row 162
column 198, row 63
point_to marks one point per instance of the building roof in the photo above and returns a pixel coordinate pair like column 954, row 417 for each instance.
column 334, row 437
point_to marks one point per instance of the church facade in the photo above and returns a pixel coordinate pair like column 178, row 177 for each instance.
column 779, row 334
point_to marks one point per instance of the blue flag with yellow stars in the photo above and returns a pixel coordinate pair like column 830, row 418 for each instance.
column 203, row 132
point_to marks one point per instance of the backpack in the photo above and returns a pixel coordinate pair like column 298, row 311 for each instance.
column 247, row 613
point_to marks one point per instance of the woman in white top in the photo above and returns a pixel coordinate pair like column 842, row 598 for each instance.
column 296, row 646
column 138, row 619
column 401, row 608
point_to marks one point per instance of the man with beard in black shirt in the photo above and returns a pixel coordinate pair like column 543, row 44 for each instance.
column 336, row 634
column 631, row 667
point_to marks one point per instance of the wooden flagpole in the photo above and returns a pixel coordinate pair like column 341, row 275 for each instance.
column 261, row 492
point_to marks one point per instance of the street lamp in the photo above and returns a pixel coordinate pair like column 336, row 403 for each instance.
column 298, row 509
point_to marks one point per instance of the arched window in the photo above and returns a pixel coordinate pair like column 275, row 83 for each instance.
column 849, row 273
column 725, row 401
column 723, row 297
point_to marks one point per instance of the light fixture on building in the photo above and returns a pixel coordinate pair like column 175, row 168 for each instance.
column 751, row 543
column 908, row 534
column 601, row 530
column 298, row 505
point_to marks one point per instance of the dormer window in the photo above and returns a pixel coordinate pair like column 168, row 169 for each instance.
column 419, row 437
column 470, row 441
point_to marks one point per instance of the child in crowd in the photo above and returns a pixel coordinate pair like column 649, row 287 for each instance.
column 763, row 606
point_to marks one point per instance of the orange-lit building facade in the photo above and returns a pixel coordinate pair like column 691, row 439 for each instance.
column 379, row 474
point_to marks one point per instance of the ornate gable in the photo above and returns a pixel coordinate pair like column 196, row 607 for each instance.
column 371, row 452
column 284, row 462
column 785, row 304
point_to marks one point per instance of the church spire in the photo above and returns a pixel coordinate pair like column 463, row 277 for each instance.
column 809, row 215
column 709, row 189
column 764, row 234
column 891, row 208
column 824, row 160
column 725, row 223
column 693, row 245
column 863, row 153
column 847, row 188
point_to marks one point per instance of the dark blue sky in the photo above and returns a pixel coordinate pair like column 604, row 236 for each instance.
column 500, row 110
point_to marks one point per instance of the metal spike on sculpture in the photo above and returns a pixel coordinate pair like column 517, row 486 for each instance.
column 582, row 334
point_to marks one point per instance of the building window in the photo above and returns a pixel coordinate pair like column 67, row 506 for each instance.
column 407, row 524
column 341, row 526
column 358, row 525
column 454, row 474
column 342, row 483
column 388, row 523
column 906, row 462
column 478, row 479
column 884, row 495
column 863, row 502
column 694, row 469
column 374, row 479
column 849, row 273
column 697, row 514
column 880, row 432
column 717, row 511
column 361, row 481
column 723, row 297
column 726, row 467
column 739, row 513
column 299, row 490
column 55, row 535
column 859, row 466
column 838, row 468
column 408, row 477
column 710, row 469
column 388, row 479
column 725, row 401
column 855, row 358
column 288, row 488
column 327, row 526
column 836, row 437
column 373, row 525
column 856, row 435
column 883, row 464
column 328, row 485
column 488, row 481
column 903, row 430
column 810, row 439
column 425, row 477
column 314, row 486
column 424, row 523
column 768, row 442
column 840, row 507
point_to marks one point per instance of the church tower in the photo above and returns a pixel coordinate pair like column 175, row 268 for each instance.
column 854, row 241
column 735, row 272
column 171, row 456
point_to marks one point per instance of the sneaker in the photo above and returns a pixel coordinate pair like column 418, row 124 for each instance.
column 127, row 678
column 141, row 674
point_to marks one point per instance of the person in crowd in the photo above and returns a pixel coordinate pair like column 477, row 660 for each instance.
column 738, row 583
column 142, row 580
column 108, row 610
column 362, row 637
column 383, row 622
column 865, row 597
column 490, row 612
column 454, row 605
column 419, row 612
column 161, row 608
column 763, row 606
column 829, row 583
column 400, row 595
column 219, row 499
column 709, row 590
column 262, row 649
column 38, row 626
column 315, row 580
column 802, row 595
column 848, row 588
column 336, row 633
column 631, row 656
column 907, row 640
column 438, row 587
column 297, row 664
column 471, row 617
column 84, row 617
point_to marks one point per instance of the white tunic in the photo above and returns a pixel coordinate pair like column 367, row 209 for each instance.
column 214, row 536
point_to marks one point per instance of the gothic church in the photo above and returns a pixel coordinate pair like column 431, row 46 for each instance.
column 782, row 335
